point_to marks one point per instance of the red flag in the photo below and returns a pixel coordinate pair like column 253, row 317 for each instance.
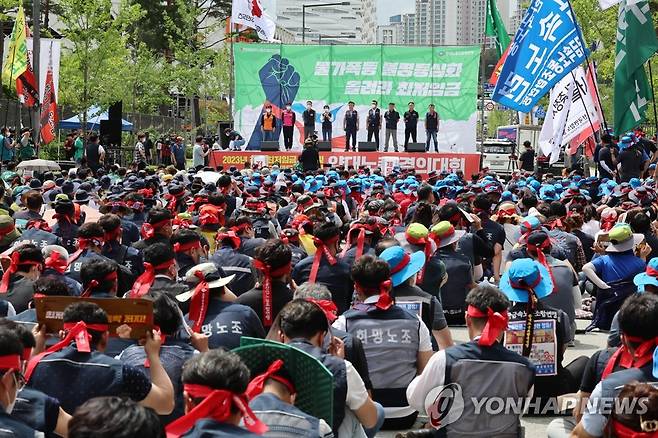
column 499, row 67
column 26, row 85
column 49, row 107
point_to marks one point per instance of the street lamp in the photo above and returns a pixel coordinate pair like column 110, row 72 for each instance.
column 334, row 37
column 319, row 5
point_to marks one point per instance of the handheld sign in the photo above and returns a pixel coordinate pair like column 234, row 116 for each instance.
column 138, row 314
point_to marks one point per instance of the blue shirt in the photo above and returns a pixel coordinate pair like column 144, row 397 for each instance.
column 179, row 152
column 618, row 266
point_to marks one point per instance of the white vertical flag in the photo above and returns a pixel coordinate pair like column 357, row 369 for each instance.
column 251, row 13
column 550, row 138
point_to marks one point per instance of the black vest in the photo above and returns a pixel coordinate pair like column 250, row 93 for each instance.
column 337, row 368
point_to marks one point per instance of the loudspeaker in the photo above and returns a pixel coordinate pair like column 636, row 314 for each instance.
column 416, row 147
column 324, row 146
column 110, row 129
column 367, row 146
column 270, row 146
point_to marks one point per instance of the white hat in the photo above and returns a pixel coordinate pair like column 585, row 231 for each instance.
column 210, row 273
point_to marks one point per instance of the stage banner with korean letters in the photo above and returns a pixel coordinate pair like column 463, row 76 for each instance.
column 546, row 47
column 333, row 75
column 423, row 163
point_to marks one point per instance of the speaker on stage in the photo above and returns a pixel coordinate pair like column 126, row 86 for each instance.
column 416, row 147
column 367, row 146
column 110, row 129
column 324, row 146
column 269, row 146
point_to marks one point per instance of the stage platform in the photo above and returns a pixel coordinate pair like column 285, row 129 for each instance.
column 423, row 162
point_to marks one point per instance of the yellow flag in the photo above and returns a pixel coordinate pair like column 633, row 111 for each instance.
column 15, row 63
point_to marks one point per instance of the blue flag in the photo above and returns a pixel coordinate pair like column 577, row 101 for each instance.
column 547, row 46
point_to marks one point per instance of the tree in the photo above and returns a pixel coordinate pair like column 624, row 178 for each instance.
column 95, row 66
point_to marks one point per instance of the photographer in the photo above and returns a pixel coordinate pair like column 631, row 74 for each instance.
column 310, row 156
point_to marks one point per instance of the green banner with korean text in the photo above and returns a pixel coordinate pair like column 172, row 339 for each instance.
column 333, row 75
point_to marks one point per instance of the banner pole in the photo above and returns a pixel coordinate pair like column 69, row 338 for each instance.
column 596, row 91
column 11, row 76
column 655, row 113
column 231, row 74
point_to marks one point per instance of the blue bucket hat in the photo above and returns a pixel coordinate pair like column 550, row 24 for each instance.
column 529, row 223
column 625, row 142
column 522, row 274
column 635, row 182
column 403, row 265
column 547, row 193
column 650, row 276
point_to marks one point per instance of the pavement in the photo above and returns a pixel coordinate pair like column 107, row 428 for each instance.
column 535, row 427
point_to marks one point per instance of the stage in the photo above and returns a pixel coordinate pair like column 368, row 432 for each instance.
column 423, row 162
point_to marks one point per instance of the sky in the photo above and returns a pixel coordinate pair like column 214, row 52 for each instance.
column 387, row 8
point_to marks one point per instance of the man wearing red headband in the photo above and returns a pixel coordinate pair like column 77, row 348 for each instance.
column 37, row 232
column 160, row 273
column 75, row 369
column 244, row 229
column 17, row 286
column 99, row 279
column 228, row 258
column 115, row 249
column 272, row 395
column 482, row 367
column 272, row 264
column 189, row 249
column 361, row 238
column 212, row 310
column 633, row 361
column 304, row 325
column 11, row 381
column 65, row 227
column 323, row 267
column 156, row 229
column 386, row 331
column 214, row 385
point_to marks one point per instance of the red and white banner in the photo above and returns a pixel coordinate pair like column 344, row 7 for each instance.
column 49, row 109
column 423, row 163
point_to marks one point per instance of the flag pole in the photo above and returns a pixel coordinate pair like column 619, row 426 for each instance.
column 655, row 114
column 11, row 75
column 596, row 91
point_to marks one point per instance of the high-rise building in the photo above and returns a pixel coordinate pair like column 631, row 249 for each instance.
column 390, row 33
column 408, row 32
column 449, row 22
column 358, row 19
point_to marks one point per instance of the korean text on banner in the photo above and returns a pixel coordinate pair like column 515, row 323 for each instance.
column 335, row 75
column 552, row 132
column 547, row 46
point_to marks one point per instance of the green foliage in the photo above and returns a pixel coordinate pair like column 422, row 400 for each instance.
column 496, row 118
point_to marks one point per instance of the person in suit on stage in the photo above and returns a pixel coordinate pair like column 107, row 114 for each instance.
column 410, row 125
column 374, row 123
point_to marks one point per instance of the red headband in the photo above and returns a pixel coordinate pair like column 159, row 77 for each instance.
column 541, row 257
column 622, row 431
column 199, row 303
column 77, row 331
column 257, row 385
column 216, row 405
column 148, row 230
column 144, row 281
column 328, row 308
column 360, row 239
column 406, row 258
column 10, row 362
column 13, row 268
column 229, row 235
column 38, row 224
column 496, row 324
column 84, row 243
column 641, row 356
column 321, row 250
column 268, row 274
column 56, row 262
column 384, row 302
column 112, row 276
column 182, row 247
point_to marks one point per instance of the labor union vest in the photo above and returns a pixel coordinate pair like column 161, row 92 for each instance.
column 284, row 420
column 12, row 428
column 487, row 372
column 350, row 120
column 73, row 377
column 388, row 337
column 38, row 238
column 337, row 368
